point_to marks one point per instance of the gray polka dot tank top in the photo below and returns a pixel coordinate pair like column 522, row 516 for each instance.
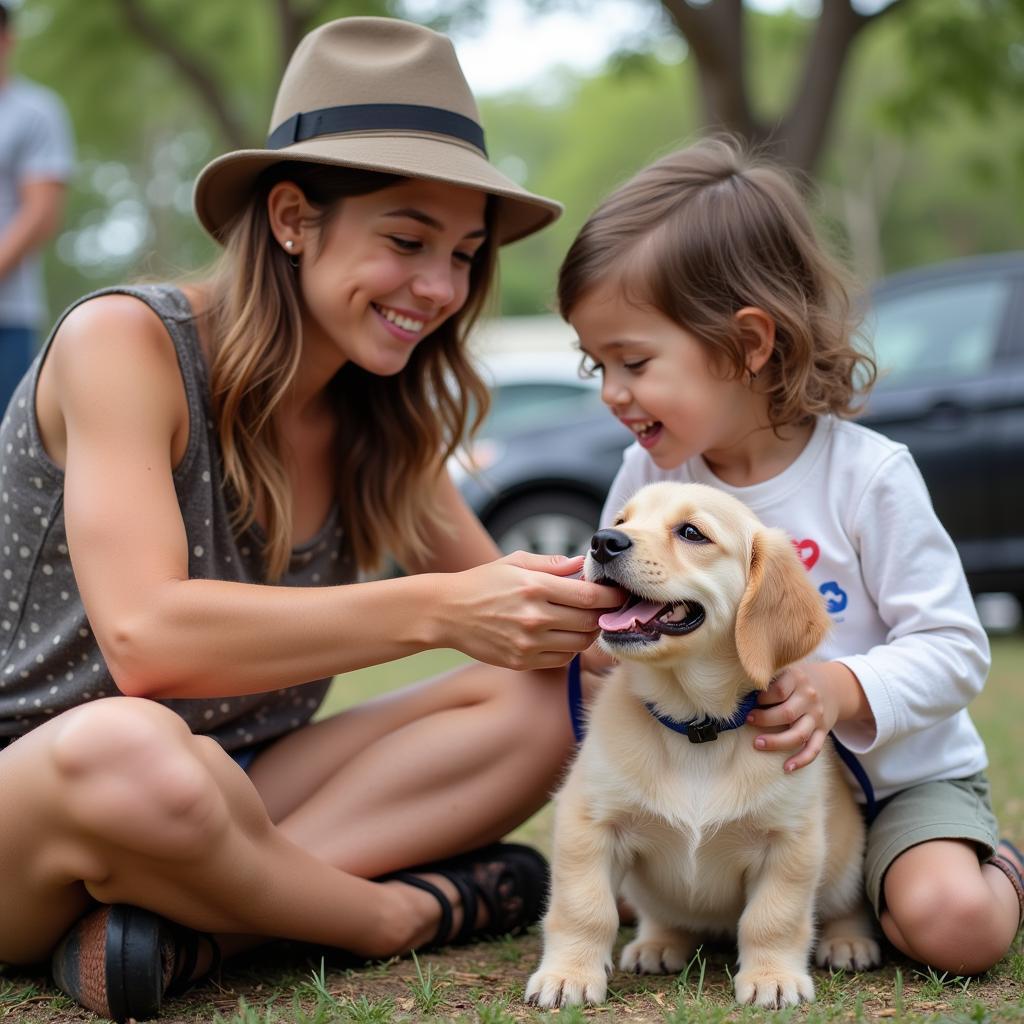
column 51, row 661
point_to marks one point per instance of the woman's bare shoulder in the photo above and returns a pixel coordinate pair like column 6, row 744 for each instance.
column 117, row 347
column 110, row 324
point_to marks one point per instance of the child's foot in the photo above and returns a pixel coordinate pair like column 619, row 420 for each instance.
column 1010, row 861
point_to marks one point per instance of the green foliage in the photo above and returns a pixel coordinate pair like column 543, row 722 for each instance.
column 925, row 160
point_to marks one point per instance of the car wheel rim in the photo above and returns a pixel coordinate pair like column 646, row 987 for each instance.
column 548, row 534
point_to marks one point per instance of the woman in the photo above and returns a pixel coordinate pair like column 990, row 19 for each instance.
column 189, row 475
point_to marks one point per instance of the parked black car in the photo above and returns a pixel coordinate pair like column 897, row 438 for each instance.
column 950, row 339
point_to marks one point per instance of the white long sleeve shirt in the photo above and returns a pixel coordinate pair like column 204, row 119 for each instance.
column 903, row 620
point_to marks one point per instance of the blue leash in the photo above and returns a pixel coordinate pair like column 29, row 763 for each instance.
column 702, row 730
column 848, row 758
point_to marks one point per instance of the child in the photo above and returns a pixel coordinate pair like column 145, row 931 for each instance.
column 193, row 478
column 721, row 332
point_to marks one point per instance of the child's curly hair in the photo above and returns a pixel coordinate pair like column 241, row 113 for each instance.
column 703, row 233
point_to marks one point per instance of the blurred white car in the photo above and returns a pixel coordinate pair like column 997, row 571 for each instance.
column 528, row 390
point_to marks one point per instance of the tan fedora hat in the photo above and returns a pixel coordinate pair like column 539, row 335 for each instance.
column 377, row 94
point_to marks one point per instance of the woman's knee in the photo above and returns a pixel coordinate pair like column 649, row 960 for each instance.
column 130, row 776
column 535, row 705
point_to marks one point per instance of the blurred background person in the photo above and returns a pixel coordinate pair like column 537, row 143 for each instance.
column 36, row 161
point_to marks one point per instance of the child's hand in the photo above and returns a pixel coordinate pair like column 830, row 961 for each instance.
column 806, row 701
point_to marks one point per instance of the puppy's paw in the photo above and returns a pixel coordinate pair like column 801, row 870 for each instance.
column 553, row 987
column 654, row 957
column 773, row 989
column 851, row 953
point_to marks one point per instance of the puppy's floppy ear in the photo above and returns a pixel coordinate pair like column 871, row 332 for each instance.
column 781, row 617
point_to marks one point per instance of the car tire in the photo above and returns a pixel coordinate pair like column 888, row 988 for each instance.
column 548, row 522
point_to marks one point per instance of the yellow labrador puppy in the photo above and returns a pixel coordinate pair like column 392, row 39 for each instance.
column 702, row 837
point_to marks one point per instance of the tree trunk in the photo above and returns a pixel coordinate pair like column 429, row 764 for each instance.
column 715, row 32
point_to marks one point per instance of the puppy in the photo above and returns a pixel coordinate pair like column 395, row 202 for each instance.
column 703, row 838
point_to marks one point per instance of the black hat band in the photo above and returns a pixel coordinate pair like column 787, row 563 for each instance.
column 364, row 117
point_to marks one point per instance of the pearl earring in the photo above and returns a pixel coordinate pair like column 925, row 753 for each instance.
column 289, row 244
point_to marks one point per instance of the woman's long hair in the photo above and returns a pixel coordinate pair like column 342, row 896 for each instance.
column 394, row 433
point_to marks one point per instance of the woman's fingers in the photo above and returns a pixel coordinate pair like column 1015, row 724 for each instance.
column 556, row 565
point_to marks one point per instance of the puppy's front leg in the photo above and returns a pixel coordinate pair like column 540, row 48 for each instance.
column 776, row 927
column 582, row 919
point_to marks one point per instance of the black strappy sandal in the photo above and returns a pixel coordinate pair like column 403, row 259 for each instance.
column 510, row 880
column 122, row 961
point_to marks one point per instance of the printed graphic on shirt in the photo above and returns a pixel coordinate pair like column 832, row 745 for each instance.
column 808, row 551
column 835, row 597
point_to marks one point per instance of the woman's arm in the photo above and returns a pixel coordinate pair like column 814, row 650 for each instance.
column 121, row 403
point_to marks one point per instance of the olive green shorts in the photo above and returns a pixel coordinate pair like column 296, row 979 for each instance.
column 948, row 809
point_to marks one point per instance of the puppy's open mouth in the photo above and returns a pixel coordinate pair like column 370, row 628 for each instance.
column 640, row 618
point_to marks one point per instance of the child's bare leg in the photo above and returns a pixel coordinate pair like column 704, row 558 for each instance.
column 946, row 910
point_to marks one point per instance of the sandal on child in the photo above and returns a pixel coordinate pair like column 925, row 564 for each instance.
column 1012, row 872
column 510, row 880
column 121, row 961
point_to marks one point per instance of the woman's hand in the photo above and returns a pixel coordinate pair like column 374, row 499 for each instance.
column 805, row 701
column 523, row 611
column 598, row 661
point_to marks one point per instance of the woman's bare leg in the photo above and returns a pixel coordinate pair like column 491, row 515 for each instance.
column 429, row 771
column 127, row 806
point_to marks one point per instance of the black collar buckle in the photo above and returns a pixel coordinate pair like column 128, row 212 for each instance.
column 702, row 732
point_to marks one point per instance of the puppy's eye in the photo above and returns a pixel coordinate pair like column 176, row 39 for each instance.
column 690, row 532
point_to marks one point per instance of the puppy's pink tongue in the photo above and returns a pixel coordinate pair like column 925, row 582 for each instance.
column 628, row 614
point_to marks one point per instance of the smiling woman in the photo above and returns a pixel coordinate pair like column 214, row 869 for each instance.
column 195, row 477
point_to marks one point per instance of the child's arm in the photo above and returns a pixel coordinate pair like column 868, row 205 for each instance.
column 935, row 656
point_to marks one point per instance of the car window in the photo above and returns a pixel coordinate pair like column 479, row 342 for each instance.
column 516, row 406
column 946, row 331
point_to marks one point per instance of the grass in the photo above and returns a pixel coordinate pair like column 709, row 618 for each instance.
column 483, row 984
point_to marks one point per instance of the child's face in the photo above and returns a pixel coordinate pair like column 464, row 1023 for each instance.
column 658, row 380
column 394, row 265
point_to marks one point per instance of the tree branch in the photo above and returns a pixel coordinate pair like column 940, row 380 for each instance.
column 143, row 25
column 801, row 133
column 715, row 34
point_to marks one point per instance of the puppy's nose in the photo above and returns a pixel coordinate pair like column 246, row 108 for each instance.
column 607, row 544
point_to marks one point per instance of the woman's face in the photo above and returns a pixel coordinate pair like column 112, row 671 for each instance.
column 387, row 270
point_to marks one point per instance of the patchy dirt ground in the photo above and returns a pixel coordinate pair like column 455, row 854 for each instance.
column 483, row 984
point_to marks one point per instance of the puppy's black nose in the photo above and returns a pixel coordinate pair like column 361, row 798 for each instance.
column 607, row 544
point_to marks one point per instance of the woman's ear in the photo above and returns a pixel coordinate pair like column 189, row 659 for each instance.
column 289, row 213
column 758, row 331
column 781, row 618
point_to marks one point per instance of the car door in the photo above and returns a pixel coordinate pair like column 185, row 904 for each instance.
column 952, row 389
